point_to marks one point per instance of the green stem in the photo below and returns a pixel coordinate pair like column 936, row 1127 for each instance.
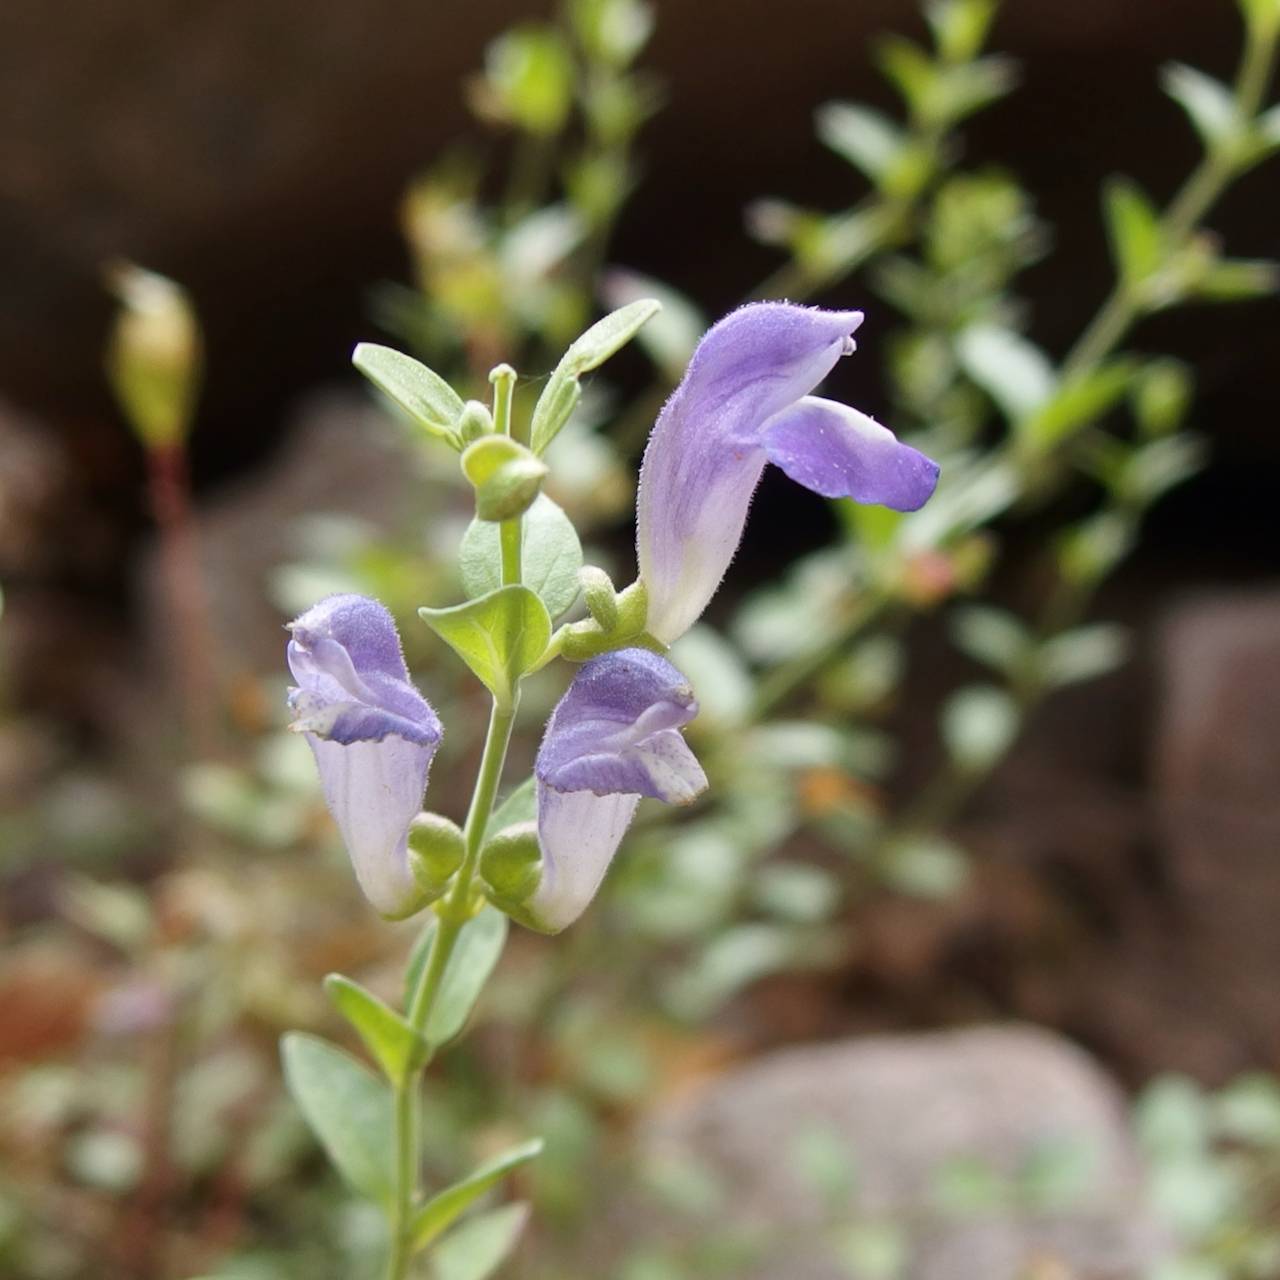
column 453, row 912
column 504, row 382
column 1195, row 198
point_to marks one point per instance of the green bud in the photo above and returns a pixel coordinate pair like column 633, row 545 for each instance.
column 153, row 355
column 476, row 421
column 511, row 864
column 633, row 608
column 601, row 598
column 436, row 850
column 505, row 475
column 1161, row 397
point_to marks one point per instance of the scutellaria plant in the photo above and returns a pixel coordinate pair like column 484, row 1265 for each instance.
column 613, row 739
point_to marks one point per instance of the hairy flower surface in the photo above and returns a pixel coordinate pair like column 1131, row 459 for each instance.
column 744, row 401
column 373, row 735
column 613, row 738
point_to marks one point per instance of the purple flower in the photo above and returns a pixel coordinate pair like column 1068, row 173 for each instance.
column 373, row 735
column 743, row 402
column 613, row 738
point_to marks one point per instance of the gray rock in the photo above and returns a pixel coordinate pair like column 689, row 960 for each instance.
column 993, row 1150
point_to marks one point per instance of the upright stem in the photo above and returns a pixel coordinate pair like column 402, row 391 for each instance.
column 509, row 532
column 453, row 912
column 1195, row 198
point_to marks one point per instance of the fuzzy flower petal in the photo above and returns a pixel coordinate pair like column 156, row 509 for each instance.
column 373, row 736
column 841, row 453
column 613, row 738
column 710, row 445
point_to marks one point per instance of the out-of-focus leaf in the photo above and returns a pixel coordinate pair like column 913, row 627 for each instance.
column 1133, row 229
column 476, row 1249
column 1083, row 653
column 1012, row 371
column 867, row 139
column 979, row 724
column 670, row 337
column 995, row 637
column 925, row 866
column 1209, row 103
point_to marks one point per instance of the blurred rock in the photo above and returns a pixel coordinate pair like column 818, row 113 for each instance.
column 342, row 462
column 925, row 1122
column 1216, row 782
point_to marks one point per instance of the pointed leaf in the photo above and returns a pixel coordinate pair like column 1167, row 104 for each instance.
column 867, row 139
column 1079, row 401
column 1208, row 103
column 474, row 956
column 1012, row 371
column 422, row 393
column 348, row 1108
column 670, row 337
column 444, row 1208
column 500, row 636
column 387, row 1036
column 550, row 556
column 1133, row 229
column 1238, row 279
column 519, row 806
column 588, row 352
column 476, row 1249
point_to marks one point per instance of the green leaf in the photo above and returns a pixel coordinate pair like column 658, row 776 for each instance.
column 994, row 637
column 423, row 394
column 1161, row 396
column 387, row 1036
column 865, row 138
column 1012, row 371
column 550, row 556
column 978, row 725
column 500, row 636
column 348, row 1108
column 476, row 1249
column 588, row 352
column 519, row 806
column 1209, row 103
column 474, row 956
column 670, row 337
column 1238, row 279
column 1084, row 653
column 911, row 71
column 1079, row 401
column 1133, row 229
column 960, row 26
column 444, row 1208
column 925, row 866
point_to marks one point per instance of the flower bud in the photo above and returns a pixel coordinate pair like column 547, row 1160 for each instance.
column 436, row 849
column 153, row 355
column 511, row 864
column 476, row 421
column 601, row 598
column 505, row 475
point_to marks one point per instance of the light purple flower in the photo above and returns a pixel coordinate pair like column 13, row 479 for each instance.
column 373, row 735
column 613, row 738
column 743, row 402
